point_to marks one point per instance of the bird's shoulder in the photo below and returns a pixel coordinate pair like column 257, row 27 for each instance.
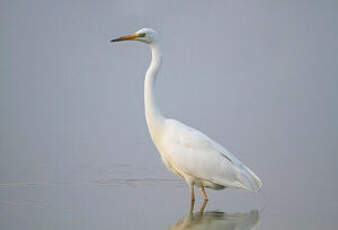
column 182, row 136
column 179, row 133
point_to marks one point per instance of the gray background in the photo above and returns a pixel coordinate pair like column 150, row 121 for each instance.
column 260, row 77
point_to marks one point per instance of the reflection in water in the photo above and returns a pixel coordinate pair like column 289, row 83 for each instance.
column 218, row 220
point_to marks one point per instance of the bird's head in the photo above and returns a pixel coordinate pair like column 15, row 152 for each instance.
column 145, row 35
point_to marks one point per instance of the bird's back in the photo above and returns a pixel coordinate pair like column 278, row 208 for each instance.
column 194, row 156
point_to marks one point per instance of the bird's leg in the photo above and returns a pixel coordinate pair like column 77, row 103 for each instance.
column 204, row 194
column 192, row 195
column 192, row 205
column 205, row 200
column 203, row 206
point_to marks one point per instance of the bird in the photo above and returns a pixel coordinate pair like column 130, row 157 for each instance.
column 187, row 152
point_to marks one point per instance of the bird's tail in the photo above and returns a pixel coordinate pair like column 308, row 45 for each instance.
column 249, row 180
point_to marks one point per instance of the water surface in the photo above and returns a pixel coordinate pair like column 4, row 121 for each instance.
column 259, row 77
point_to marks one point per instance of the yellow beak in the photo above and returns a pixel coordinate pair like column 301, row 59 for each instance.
column 127, row 37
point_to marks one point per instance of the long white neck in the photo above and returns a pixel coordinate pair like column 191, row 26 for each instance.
column 154, row 118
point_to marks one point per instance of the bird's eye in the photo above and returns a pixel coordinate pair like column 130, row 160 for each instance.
column 142, row 35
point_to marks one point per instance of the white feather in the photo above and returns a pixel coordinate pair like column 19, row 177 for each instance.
column 201, row 160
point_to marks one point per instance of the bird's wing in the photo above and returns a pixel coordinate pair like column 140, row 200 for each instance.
column 193, row 153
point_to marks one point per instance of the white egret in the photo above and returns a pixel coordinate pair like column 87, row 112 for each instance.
column 187, row 152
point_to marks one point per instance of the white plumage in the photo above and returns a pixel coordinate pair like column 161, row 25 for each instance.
column 186, row 151
column 202, row 161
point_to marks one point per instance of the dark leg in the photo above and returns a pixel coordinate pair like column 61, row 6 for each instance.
column 192, row 196
column 204, row 194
